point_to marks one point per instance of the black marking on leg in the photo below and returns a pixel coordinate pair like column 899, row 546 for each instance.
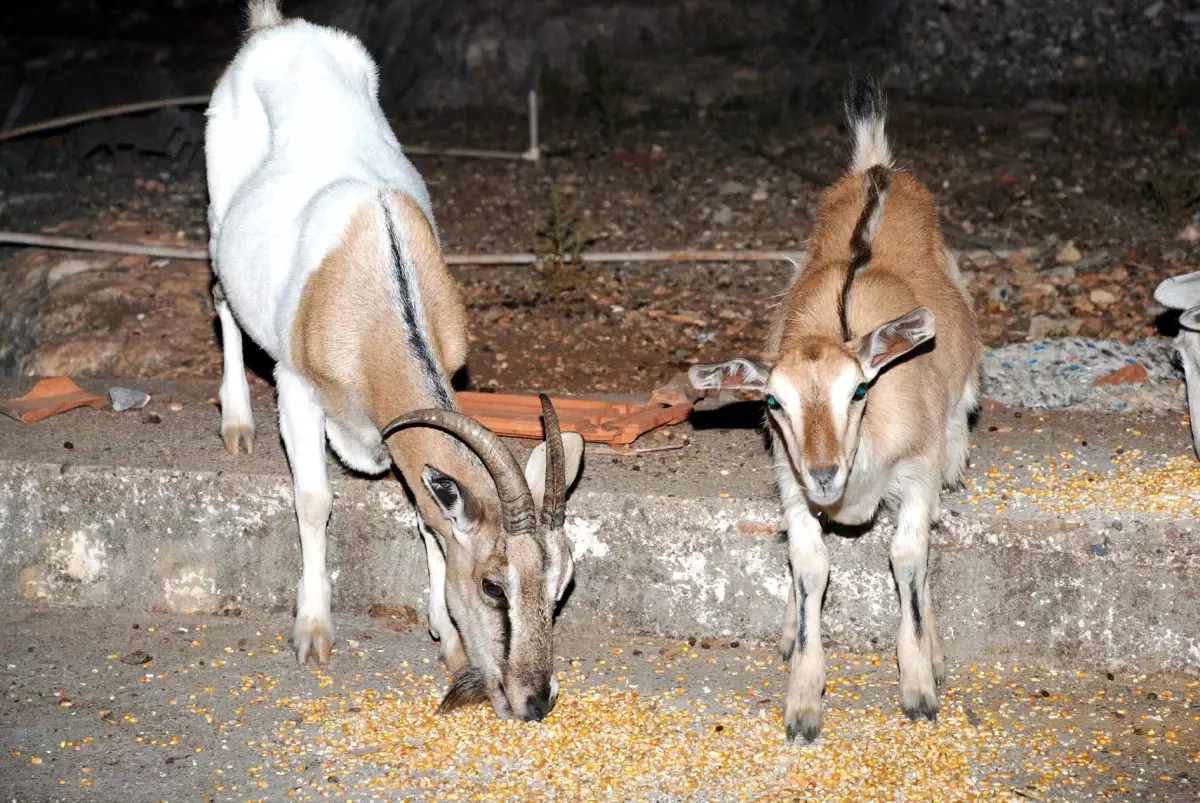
column 916, row 606
column 801, row 618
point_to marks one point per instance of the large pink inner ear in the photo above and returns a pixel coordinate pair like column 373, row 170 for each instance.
column 895, row 339
column 739, row 374
column 893, row 346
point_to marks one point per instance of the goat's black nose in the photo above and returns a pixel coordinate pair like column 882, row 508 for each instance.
column 537, row 706
column 823, row 475
column 539, row 702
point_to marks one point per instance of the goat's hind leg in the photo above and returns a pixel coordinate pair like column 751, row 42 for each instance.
column 915, row 642
column 237, row 421
column 302, row 426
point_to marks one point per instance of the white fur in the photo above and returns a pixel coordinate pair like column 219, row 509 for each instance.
column 871, row 146
column 295, row 142
column 302, row 427
column 237, row 420
column 263, row 14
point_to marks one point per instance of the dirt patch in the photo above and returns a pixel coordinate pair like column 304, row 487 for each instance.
column 1087, row 193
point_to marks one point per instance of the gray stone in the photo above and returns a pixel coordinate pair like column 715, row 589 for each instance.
column 123, row 399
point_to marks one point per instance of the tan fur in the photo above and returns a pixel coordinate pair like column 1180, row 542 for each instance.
column 910, row 402
column 349, row 342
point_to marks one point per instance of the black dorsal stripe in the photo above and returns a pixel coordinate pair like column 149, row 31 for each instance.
column 414, row 324
column 876, row 181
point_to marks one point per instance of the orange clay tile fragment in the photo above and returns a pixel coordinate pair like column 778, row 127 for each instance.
column 617, row 423
column 50, row 397
column 1132, row 374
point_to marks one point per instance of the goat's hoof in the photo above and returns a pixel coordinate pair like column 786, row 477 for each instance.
column 313, row 638
column 238, row 437
column 920, row 706
column 804, row 723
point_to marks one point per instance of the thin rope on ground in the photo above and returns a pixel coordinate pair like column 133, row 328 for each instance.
column 193, row 252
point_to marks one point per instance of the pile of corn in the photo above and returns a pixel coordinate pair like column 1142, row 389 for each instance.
column 607, row 743
column 1162, row 486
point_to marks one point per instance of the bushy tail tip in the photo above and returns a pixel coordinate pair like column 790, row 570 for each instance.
column 866, row 116
column 262, row 14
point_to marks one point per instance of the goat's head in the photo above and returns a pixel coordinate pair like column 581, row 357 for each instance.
column 816, row 393
column 505, row 577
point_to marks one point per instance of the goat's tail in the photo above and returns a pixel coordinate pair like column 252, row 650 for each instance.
column 262, row 14
column 866, row 116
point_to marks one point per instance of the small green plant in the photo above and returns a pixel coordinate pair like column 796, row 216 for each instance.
column 559, row 243
column 605, row 91
column 1174, row 194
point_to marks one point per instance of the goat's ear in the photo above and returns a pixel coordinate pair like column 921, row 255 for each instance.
column 535, row 467
column 894, row 339
column 1179, row 292
column 1190, row 319
column 739, row 374
column 455, row 501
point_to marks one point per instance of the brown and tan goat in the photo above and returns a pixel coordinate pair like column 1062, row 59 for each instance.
column 873, row 373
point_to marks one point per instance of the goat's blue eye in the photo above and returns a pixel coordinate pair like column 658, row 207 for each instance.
column 772, row 402
column 860, row 392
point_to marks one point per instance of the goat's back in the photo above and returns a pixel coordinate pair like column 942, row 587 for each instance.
column 296, row 143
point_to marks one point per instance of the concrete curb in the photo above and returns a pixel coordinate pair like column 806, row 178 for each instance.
column 676, row 543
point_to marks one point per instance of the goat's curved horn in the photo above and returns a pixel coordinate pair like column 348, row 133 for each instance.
column 554, row 502
column 516, row 503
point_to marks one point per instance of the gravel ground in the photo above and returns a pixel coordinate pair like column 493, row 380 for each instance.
column 1094, row 243
column 122, row 706
column 1065, row 373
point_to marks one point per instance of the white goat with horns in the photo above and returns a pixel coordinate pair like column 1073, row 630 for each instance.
column 326, row 253
column 864, row 406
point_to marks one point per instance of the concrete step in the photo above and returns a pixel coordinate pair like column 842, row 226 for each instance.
column 1033, row 562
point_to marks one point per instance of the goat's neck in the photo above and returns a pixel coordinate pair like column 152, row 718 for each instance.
column 394, row 387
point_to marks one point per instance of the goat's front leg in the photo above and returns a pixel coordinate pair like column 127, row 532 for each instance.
column 801, row 636
column 237, row 421
column 916, row 643
column 302, row 425
column 441, row 627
